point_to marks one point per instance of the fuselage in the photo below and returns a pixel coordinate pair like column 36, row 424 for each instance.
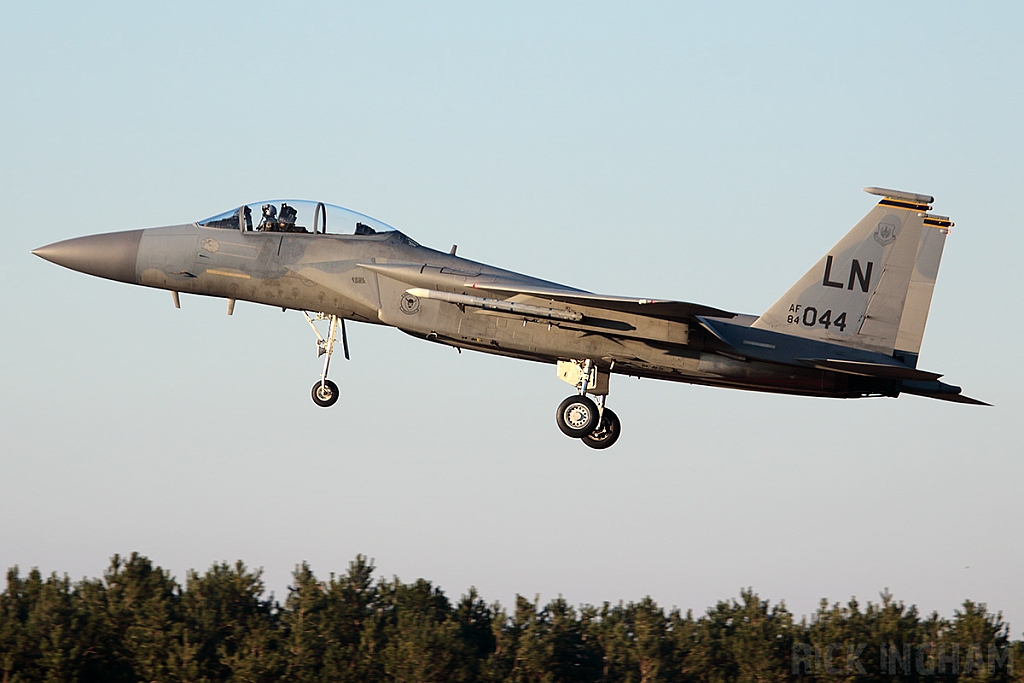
column 829, row 335
column 367, row 278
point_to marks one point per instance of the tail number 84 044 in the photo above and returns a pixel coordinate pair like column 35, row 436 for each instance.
column 809, row 317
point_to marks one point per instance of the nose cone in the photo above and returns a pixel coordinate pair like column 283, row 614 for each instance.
column 111, row 255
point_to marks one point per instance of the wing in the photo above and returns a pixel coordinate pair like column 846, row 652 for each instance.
column 654, row 308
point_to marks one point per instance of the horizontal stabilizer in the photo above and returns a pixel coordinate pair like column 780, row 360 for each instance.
column 957, row 398
column 943, row 396
column 940, row 391
column 655, row 308
column 880, row 370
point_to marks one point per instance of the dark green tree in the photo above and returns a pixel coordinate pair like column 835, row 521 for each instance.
column 138, row 624
column 636, row 643
column 19, row 654
column 303, row 622
column 553, row 644
column 353, row 637
column 144, row 607
column 230, row 631
column 982, row 641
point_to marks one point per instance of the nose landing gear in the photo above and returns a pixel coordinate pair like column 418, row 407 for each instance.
column 325, row 393
column 579, row 416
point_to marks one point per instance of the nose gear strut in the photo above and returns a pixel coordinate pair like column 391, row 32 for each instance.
column 325, row 392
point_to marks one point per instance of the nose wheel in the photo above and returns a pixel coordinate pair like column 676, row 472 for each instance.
column 325, row 393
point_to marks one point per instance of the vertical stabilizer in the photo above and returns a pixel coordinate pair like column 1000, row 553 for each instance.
column 872, row 290
column 922, row 284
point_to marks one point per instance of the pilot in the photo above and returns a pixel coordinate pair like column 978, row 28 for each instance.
column 288, row 215
column 269, row 222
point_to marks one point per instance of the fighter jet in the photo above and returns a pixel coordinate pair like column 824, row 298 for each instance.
column 851, row 327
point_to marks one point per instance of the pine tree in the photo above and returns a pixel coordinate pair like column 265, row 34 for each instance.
column 982, row 640
column 17, row 652
column 230, row 630
column 143, row 603
column 635, row 640
column 353, row 637
column 555, row 645
column 303, row 622
column 138, row 624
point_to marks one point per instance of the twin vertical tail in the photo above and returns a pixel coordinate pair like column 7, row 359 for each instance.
column 872, row 290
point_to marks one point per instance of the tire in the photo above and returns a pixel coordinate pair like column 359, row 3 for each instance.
column 576, row 416
column 326, row 397
column 607, row 432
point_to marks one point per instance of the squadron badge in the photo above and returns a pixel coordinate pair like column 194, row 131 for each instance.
column 409, row 304
column 887, row 231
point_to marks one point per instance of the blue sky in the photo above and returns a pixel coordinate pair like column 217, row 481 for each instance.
column 704, row 152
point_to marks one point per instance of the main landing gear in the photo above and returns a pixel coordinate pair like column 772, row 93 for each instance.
column 325, row 392
column 579, row 416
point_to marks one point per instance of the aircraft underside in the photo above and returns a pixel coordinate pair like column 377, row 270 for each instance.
column 709, row 369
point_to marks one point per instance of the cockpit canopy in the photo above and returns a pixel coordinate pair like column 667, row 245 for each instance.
column 296, row 215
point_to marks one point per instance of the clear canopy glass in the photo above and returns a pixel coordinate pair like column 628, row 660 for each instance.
column 297, row 215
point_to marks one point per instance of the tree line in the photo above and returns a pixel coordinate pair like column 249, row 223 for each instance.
column 137, row 623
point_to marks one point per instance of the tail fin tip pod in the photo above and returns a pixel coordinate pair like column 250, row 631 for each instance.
column 873, row 289
column 899, row 195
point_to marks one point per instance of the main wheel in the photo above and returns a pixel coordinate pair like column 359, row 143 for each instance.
column 576, row 416
column 327, row 395
column 606, row 433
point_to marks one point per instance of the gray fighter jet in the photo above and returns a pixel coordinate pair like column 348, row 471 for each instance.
column 851, row 327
